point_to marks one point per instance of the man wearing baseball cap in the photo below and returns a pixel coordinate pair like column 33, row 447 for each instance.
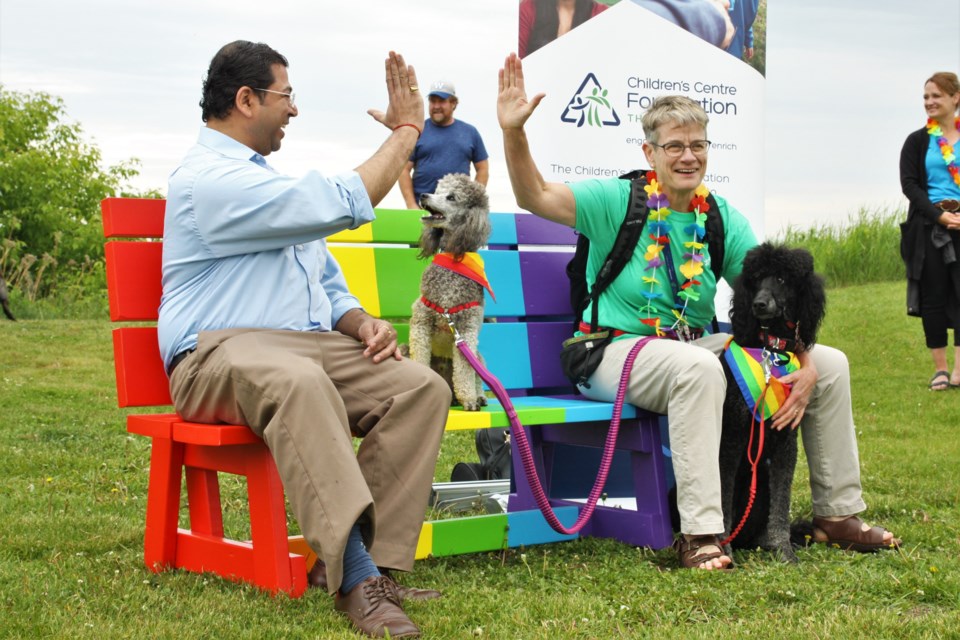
column 446, row 146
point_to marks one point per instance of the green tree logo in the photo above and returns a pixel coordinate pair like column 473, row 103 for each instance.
column 590, row 105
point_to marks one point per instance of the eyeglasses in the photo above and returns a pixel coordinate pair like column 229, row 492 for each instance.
column 675, row 149
column 292, row 97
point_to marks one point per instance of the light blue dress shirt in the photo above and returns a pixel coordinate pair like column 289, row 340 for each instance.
column 243, row 246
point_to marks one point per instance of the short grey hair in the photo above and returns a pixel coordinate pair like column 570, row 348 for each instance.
column 678, row 110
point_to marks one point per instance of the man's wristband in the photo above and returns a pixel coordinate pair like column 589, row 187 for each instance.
column 408, row 124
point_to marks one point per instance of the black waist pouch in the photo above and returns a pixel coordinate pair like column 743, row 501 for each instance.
column 581, row 355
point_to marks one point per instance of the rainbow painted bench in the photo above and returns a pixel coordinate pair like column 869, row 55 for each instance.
column 525, row 263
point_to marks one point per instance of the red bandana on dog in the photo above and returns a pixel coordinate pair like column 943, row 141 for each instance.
column 471, row 266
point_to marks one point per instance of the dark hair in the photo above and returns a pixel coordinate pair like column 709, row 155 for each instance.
column 547, row 21
column 238, row 64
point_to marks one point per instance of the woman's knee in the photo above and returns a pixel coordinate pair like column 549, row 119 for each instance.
column 703, row 368
column 830, row 360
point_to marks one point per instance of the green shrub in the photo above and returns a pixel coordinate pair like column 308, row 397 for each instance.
column 864, row 250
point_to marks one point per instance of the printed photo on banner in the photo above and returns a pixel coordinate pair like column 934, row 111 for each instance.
column 736, row 26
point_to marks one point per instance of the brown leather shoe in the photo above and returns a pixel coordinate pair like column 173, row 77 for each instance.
column 373, row 607
column 317, row 576
column 411, row 593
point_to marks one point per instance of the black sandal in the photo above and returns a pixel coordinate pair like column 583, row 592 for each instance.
column 943, row 385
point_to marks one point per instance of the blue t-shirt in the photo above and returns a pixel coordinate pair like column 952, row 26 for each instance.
column 940, row 184
column 443, row 150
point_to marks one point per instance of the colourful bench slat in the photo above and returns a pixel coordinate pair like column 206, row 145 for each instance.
column 133, row 296
column 132, row 217
column 507, row 229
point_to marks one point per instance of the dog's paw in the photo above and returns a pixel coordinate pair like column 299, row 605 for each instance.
column 474, row 404
column 786, row 555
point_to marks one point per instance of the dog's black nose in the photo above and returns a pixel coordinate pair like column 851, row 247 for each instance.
column 764, row 305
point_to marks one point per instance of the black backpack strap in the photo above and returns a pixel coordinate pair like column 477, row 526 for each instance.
column 626, row 241
column 715, row 237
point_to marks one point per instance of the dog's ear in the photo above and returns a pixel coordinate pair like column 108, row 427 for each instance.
column 470, row 228
column 475, row 195
column 430, row 242
column 812, row 307
column 471, row 233
column 802, row 262
column 743, row 324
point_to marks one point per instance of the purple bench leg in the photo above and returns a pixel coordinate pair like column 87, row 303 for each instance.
column 567, row 459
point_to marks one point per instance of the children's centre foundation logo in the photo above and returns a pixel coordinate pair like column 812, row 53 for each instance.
column 590, row 106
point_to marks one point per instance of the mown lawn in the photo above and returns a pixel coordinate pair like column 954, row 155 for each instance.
column 73, row 486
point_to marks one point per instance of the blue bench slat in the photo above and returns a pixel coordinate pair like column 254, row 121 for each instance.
column 576, row 408
column 505, row 350
column 503, row 272
column 503, row 229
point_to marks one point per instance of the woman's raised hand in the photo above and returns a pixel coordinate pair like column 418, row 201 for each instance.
column 513, row 108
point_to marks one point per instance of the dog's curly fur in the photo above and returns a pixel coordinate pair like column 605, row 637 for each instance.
column 777, row 294
column 458, row 223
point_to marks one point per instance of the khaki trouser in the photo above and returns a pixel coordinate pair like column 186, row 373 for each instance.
column 686, row 382
column 306, row 394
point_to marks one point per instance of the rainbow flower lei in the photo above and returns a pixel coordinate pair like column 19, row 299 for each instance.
column 946, row 149
column 659, row 229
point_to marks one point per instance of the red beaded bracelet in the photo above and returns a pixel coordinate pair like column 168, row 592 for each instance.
column 407, row 124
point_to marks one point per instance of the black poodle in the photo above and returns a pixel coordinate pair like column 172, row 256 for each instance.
column 778, row 305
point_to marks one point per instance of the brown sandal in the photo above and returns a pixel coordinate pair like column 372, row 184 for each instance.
column 689, row 550
column 848, row 534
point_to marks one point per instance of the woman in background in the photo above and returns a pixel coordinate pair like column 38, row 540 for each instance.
column 543, row 21
column 930, row 178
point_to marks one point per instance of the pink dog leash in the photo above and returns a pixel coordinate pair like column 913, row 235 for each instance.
column 523, row 445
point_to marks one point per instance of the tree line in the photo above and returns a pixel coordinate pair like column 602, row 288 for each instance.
column 51, row 183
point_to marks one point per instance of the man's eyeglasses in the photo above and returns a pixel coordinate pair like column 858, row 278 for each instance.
column 675, row 149
column 292, row 97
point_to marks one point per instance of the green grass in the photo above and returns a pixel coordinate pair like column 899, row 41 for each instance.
column 73, row 486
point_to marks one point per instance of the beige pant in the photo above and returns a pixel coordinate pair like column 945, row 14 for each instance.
column 686, row 382
column 306, row 394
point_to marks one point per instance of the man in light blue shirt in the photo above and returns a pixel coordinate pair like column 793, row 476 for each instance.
column 257, row 327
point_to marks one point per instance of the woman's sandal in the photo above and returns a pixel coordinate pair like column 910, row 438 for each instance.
column 940, row 385
column 848, row 534
column 689, row 550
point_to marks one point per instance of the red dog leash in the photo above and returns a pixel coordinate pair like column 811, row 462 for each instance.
column 754, row 463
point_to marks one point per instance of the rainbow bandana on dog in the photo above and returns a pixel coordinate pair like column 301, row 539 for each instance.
column 747, row 367
column 470, row 267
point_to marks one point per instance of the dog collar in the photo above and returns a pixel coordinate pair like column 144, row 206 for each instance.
column 782, row 345
column 443, row 311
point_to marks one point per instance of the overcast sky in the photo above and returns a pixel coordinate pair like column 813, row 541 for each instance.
column 844, row 81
